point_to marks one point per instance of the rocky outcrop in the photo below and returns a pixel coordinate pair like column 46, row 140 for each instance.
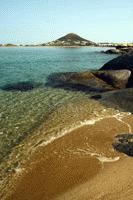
column 111, row 51
column 124, row 50
column 120, row 50
column 124, row 144
column 97, row 80
column 20, row 86
column 116, row 78
column 120, row 63
column 116, row 74
column 86, row 79
column 119, row 99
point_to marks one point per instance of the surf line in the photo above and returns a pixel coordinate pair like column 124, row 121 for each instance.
column 119, row 118
column 98, row 156
column 65, row 131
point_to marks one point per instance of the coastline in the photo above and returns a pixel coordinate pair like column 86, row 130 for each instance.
column 54, row 46
column 74, row 161
column 70, row 148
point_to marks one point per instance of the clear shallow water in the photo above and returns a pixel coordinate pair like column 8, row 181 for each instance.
column 35, row 64
column 21, row 113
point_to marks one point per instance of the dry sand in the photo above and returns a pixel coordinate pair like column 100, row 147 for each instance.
column 80, row 166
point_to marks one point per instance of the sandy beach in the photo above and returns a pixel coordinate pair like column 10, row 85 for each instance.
column 79, row 165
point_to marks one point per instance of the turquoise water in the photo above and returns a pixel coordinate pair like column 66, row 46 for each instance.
column 35, row 64
column 21, row 113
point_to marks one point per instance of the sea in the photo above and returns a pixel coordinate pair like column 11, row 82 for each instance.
column 36, row 116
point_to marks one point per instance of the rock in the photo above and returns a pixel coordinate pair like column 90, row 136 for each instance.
column 120, row 50
column 96, row 97
column 87, row 79
column 119, row 99
column 112, row 51
column 121, row 62
column 124, row 50
column 93, row 80
column 124, row 144
column 116, row 78
column 20, row 86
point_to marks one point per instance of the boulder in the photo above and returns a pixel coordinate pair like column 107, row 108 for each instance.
column 124, row 50
column 112, row 51
column 93, row 80
column 86, row 79
column 20, row 86
column 124, row 143
column 120, row 50
column 119, row 99
column 119, row 63
column 116, row 78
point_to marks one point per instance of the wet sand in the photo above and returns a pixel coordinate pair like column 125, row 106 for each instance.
column 80, row 165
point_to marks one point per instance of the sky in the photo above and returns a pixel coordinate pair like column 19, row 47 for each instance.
column 39, row 21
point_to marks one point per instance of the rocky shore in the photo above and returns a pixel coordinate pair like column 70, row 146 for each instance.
column 119, row 50
column 116, row 74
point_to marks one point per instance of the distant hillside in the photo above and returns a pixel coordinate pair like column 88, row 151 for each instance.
column 71, row 39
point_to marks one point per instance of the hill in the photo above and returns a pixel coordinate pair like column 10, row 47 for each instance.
column 71, row 39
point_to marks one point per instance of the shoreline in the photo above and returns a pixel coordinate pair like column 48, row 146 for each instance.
column 67, row 162
column 58, row 46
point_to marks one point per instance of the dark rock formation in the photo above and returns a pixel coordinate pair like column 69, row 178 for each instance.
column 116, row 74
column 93, row 80
column 20, row 86
column 121, row 62
column 119, row 99
column 124, row 144
column 87, row 79
column 124, row 50
column 116, row 78
column 96, row 97
column 112, row 51
column 120, row 50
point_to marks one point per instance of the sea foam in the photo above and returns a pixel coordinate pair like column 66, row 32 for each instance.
column 63, row 132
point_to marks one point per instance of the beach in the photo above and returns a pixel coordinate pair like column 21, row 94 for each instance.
column 67, row 140
column 79, row 165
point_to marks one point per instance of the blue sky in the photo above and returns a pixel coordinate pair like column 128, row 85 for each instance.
column 37, row 21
